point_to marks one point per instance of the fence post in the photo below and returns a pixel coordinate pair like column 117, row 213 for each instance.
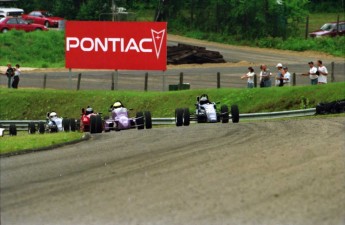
column 181, row 81
column 78, row 84
column 294, row 79
column 332, row 72
column 112, row 81
column 116, row 80
column 163, row 81
column 146, row 80
column 70, row 78
column 218, row 79
column 255, row 80
column 44, row 81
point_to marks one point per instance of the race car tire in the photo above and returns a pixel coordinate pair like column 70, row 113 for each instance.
column 93, row 125
column 139, row 120
column 31, row 128
column 186, row 117
column 148, row 120
column 77, row 125
column 41, row 127
column 99, row 124
column 235, row 114
column 218, row 117
column 13, row 130
column 179, row 117
column 65, row 125
column 224, row 113
column 73, row 125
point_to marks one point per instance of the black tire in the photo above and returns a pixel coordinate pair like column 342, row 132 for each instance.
column 186, row 117
column 41, row 127
column 65, row 125
column 224, row 110
column 46, row 24
column 93, row 125
column 31, row 128
column 77, row 125
column 13, row 130
column 54, row 129
column 73, row 125
column 235, row 114
column 5, row 30
column 148, row 120
column 99, row 124
column 139, row 120
column 179, row 117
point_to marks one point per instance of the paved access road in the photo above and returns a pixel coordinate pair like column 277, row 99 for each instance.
column 269, row 172
column 198, row 76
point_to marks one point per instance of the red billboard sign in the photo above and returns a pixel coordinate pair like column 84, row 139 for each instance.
column 116, row 45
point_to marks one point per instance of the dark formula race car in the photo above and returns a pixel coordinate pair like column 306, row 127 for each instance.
column 206, row 112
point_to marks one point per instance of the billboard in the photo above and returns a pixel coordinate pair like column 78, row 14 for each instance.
column 116, row 45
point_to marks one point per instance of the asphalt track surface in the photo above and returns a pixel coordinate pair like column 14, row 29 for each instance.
column 268, row 172
column 198, row 76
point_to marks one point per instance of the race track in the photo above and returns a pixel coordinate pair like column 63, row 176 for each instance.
column 268, row 172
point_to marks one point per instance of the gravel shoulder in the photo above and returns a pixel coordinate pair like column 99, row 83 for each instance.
column 269, row 172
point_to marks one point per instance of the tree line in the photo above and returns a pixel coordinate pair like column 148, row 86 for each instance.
column 248, row 19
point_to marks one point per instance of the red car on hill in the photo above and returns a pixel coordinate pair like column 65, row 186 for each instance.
column 16, row 23
column 43, row 17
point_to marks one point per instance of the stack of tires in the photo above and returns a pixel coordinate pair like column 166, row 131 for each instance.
column 143, row 120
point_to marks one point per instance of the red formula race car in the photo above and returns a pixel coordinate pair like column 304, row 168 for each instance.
column 90, row 121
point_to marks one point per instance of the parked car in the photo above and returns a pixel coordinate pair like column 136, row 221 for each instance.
column 329, row 30
column 10, row 12
column 8, row 23
column 43, row 17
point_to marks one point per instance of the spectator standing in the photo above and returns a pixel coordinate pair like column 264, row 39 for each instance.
column 9, row 74
column 322, row 79
column 265, row 76
column 280, row 75
column 313, row 74
column 287, row 76
column 17, row 73
column 250, row 77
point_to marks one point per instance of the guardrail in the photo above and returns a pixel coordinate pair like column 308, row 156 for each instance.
column 23, row 124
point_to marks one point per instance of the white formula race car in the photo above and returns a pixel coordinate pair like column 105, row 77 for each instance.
column 206, row 112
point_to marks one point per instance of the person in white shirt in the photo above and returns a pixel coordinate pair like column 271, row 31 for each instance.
column 250, row 77
column 287, row 76
column 313, row 74
column 16, row 76
column 322, row 79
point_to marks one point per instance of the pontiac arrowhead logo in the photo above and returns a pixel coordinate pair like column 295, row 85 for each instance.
column 157, row 37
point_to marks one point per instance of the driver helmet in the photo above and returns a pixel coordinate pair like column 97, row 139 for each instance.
column 52, row 115
column 203, row 100
column 117, row 105
column 88, row 111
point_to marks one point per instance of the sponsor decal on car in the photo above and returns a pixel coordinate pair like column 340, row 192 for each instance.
column 116, row 45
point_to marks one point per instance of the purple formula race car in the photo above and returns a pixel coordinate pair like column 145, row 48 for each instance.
column 120, row 120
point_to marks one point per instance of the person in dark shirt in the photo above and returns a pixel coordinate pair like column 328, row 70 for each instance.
column 9, row 74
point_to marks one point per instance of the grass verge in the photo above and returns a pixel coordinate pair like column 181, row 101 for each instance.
column 24, row 141
column 26, row 104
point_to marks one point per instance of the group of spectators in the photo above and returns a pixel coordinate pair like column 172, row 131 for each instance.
column 317, row 75
column 13, row 75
